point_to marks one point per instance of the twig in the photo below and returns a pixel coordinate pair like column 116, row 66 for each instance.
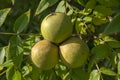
column 98, row 70
column 3, row 73
column 7, row 33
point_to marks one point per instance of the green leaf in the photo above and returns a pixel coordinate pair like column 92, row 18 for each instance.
column 87, row 19
column 113, row 26
column 107, row 71
column 99, row 20
column 104, row 11
column 117, row 50
column 94, row 75
column 100, row 51
column 118, row 67
column 17, row 75
column 44, row 4
column 119, row 78
column 85, row 12
column 26, row 70
column 2, row 55
column 67, row 76
column 61, row 69
column 79, row 74
column 79, row 26
column 15, row 51
column 46, row 75
column 91, row 63
column 114, row 44
column 7, row 63
column 109, row 3
column 22, row 22
column 112, row 58
column 107, row 38
column 10, row 72
column 61, row 7
column 3, row 15
column 70, row 12
column 35, row 73
column 13, row 1
column 90, row 4
column 91, row 27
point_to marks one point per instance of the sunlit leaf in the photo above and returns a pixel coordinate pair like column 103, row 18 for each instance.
column 22, row 22
column 44, row 4
column 26, row 70
column 13, row 1
column 107, row 71
column 113, row 26
column 7, row 63
column 2, row 55
column 67, row 76
column 70, row 12
column 118, row 78
column 85, row 12
column 87, row 19
column 3, row 15
column 17, row 75
column 79, row 26
column 94, row 75
column 64, row 8
column 61, row 7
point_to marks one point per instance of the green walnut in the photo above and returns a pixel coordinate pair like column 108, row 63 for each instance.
column 44, row 55
column 56, row 27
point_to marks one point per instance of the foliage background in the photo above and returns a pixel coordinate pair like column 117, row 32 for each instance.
column 96, row 21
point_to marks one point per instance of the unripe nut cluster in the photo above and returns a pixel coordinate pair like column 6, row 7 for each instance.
column 58, row 43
